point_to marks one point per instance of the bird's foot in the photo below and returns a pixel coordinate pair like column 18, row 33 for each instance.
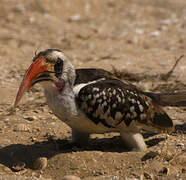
column 134, row 140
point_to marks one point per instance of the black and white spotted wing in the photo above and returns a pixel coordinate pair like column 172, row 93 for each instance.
column 112, row 102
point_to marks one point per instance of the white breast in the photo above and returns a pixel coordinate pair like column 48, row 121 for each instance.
column 63, row 105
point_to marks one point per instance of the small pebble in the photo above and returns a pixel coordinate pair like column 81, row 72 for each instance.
column 19, row 166
column 30, row 118
column 40, row 163
column 164, row 170
column 147, row 175
column 149, row 155
column 181, row 145
column 154, row 33
column 75, row 17
column 139, row 31
column 107, row 177
column 70, row 177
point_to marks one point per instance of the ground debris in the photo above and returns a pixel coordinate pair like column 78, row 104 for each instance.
column 18, row 166
column 13, row 177
column 166, row 76
column 106, row 177
column 164, row 170
column 70, row 177
column 149, row 155
column 136, row 77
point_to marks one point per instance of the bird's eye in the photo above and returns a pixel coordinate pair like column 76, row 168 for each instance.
column 58, row 67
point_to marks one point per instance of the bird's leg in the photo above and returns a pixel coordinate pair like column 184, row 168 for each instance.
column 80, row 138
column 134, row 140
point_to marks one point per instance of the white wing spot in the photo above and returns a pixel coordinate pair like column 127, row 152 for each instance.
column 119, row 99
column 97, row 95
column 114, row 92
column 123, row 100
column 95, row 89
column 122, row 94
column 119, row 90
column 104, row 97
column 141, row 108
column 133, row 101
column 99, row 100
column 131, row 93
column 132, row 109
column 147, row 103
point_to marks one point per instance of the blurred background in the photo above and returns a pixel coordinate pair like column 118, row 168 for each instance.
column 140, row 36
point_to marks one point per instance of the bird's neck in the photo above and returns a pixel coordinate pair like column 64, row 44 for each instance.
column 62, row 103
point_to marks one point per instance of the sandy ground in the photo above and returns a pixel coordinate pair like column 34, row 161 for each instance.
column 139, row 37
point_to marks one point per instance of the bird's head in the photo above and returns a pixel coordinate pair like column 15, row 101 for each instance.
column 52, row 68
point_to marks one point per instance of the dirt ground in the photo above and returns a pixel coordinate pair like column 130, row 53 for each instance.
column 142, row 38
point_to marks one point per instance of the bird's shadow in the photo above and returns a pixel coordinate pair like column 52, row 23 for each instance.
column 18, row 153
column 14, row 154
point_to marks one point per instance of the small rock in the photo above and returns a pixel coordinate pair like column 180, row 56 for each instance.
column 147, row 175
column 149, row 155
column 109, row 177
column 139, row 31
column 154, row 34
column 30, row 118
column 75, row 17
column 19, row 166
column 40, row 163
column 181, row 145
column 19, row 8
column 70, row 177
column 183, row 170
column 166, row 21
column 164, row 170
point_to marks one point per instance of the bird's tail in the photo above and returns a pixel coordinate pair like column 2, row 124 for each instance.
column 158, row 120
column 168, row 99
